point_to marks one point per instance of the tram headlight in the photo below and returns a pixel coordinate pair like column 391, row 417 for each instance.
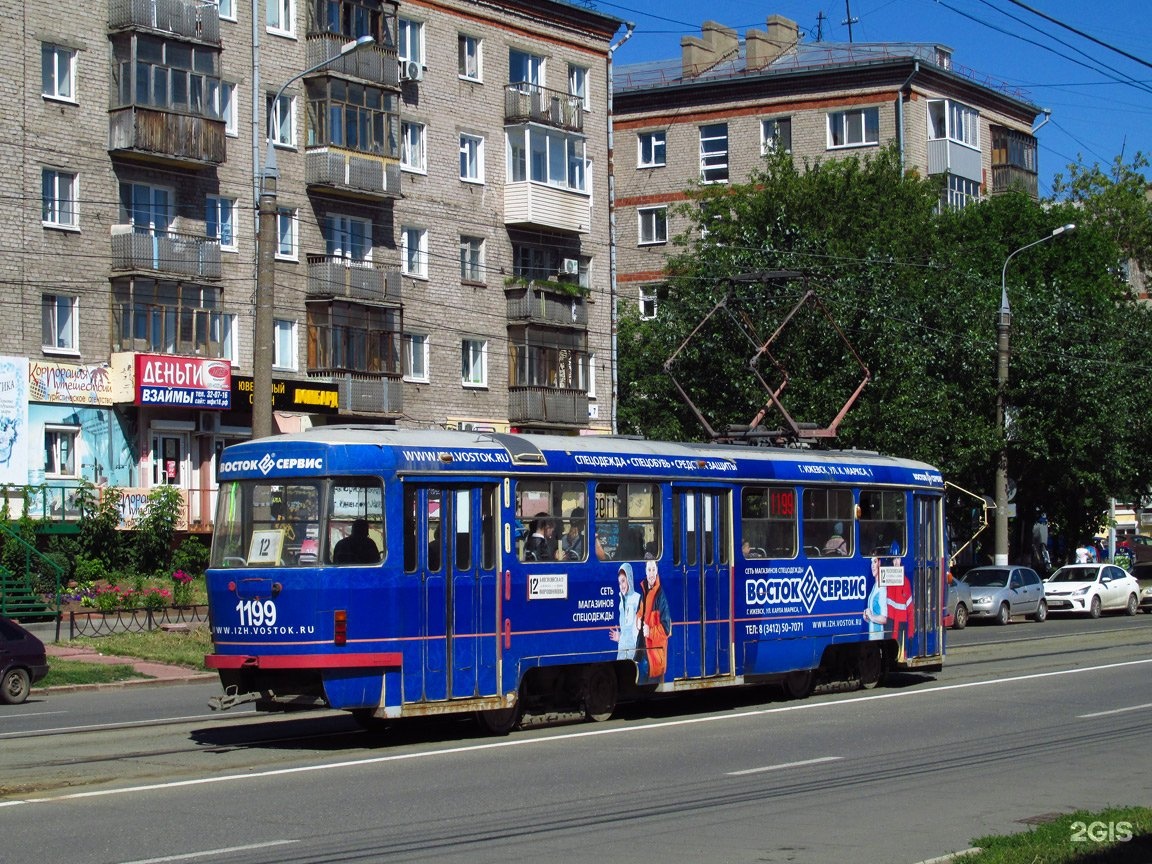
column 340, row 627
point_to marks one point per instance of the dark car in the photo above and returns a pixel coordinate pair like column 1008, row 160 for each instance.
column 1143, row 574
column 23, row 662
column 1139, row 547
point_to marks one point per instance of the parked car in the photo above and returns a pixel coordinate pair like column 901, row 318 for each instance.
column 1143, row 574
column 23, row 662
column 1092, row 588
column 999, row 593
column 957, row 603
column 1138, row 546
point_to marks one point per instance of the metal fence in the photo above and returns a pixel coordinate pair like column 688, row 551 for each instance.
column 134, row 620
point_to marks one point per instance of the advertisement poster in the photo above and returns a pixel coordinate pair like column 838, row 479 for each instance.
column 14, row 420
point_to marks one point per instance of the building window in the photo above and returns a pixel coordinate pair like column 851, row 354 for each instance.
column 591, row 375
column 59, row 324
column 167, row 317
column 472, row 259
column 854, row 128
column 58, row 72
column 412, row 154
column 953, row 121
column 960, row 192
column 59, row 202
column 352, row 116
column 286, row 234
column 282, row 120
column 468, row 54
column 348, row 237
column 653, row 225
column 416, row 357
column 219, row 221
column 148, row 209
column 776, row 134
column 154, row 71
column 227, row 9
column 525, row 68
column 284, row 349
column 647, row 304
column 474, row 363
column 652, row 149
column 354, row 337
column 227, row 109
column 714, row 153
column 578, row 84
column 281, row 16
column 472, row 158
column 414, row 252
column 410, row 41
column 547, row 156
column 60, row 451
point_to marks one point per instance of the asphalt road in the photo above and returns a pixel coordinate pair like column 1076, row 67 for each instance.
column 1026, row 720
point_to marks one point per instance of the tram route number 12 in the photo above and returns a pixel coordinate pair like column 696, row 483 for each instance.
column 256, row 613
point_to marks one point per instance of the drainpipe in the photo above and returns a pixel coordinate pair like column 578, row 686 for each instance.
column 612, row 294
column 900, row 112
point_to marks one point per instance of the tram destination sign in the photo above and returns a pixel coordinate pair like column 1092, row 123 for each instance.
column 305, row 397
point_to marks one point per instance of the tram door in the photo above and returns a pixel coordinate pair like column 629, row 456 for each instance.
column 456, row 563
column 927, row 554
column 701, row 558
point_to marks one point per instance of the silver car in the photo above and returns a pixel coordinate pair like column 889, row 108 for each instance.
column 1000, row 593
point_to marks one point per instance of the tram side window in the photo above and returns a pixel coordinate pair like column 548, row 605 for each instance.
column 882, row 522
column 628, row 521
column 828, row 522
column 768, row 522
column 551, row 523
column 356, row 521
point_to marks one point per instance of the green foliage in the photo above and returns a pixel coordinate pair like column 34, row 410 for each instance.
column 191, row 556
column 155, row 531
column 100, row 538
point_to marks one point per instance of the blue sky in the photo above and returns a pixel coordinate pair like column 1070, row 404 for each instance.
column 1101, row 101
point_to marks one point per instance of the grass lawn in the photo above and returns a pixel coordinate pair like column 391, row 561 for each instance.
column 1118, row 835
column 175, row 647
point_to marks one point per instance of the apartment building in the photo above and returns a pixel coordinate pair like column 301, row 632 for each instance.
column 709, row 116
column 441, row 228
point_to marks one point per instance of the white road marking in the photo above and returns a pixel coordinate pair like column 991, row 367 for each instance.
column 1114, row 711
column 784, row 765
column 211, row 853
column 533, row 742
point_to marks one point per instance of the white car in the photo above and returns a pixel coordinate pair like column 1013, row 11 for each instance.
column 1092, row 589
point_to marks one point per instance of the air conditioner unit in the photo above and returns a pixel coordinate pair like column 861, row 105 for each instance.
column 208, row 422
column 410, row 70
column 570, row 267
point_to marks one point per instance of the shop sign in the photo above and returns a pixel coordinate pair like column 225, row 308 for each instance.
column 188, row 382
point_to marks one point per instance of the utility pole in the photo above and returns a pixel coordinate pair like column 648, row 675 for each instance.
column 849, row 20
column 820, row 18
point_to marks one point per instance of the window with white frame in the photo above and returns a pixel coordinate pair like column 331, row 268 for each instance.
column 591, row 375
column 410, row 41
column 148, row 209
column 59, row 324
column 776, row 134
column 416, row 357
column 474, row 362
column 348, row 237
column 714, row 153
column 220, row 221
column 58, row 72
column 227, row 9
column 953, row 121
column 472, row 259
column 525, row 68
column 960, row 192
column 547, row 156
column 286, row 234
column 471, row 158
column 412, row 151
column 854, row 128
column 60, row 451
column 227, row 108
column 468, row 56
column 280, row 16
column 653, row 223
column 648, row 304
column 652, row 149
column 284, row 353
column 282, row 120
column 578, row 84
column 414, row 252
column 59, row 198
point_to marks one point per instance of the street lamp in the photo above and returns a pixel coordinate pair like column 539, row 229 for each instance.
column 264, row 330
column 1003, row 329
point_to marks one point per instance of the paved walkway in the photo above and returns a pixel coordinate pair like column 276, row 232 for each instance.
column 158, row 673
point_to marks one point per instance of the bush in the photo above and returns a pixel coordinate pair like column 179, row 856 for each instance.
column 155, row 530
column 191, row 556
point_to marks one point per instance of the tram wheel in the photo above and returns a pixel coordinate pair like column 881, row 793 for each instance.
column 499, row 721
column 799, row 684
column 600, row 693
column 871, row 666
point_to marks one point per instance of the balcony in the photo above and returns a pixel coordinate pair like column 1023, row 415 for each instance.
column 332, row 276
column 547, row 405
column 166, row 136
column 528, row 103
column 1006, row 177
column 376, row 64
column 196, row 21
column 352, row 174
column 362, row 393
column 537, row 205
column 172, row 254
column 546, row 303
column 951, row 157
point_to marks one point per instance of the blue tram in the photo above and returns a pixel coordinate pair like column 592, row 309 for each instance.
column 397, row 573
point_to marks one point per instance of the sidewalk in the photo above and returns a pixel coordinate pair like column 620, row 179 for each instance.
column 158, row 673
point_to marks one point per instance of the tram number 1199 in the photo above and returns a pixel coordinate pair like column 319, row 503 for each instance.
column 256, row 613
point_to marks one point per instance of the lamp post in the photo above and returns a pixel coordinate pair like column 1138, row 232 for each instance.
column 264, row 329
column 1003, row 331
